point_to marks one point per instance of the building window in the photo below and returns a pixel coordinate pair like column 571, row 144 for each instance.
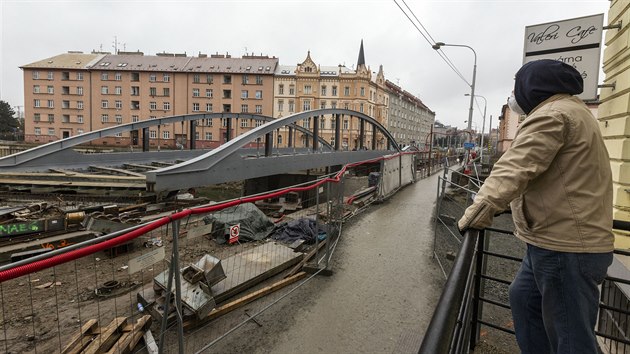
column 166, row 134
column 259, row 80
column 227, row 79
column 361, row 108
column 259, row 95
column 279, row 139
column 65, row 75
column 104, row 104
column 118, row 104
column 333, row 105
column 227, row 93
column 291, row 106
column 196, row 135
column 195, row 107
column 80, row 76
column 346, row 91
column 208, row 135
column 51, row 75
column 166, row 106
column 51, row 131
column 104, row 118
column 259, row 122
column 362, row 91
column 36, row 103
column 80, row 91
column 153, row 106
column 104, row 76
column 281, row 89
column 245, row 80
column 322, row 104
column 118, row 76
column 80, row 118
column 119, row 119
column 135, row 76
column 196, row 78
column 35, row 75
column 308, row 89
column 334, row 90
column 152, row 91
column 224, row 122
column 135, row 91
column 207, row 122
column 79, row 104
column 104, row 90
column 322, row 123
column 244, row 108
column 166, row 77
column 51, row 104
column 306, row 122
column 152, row 78
column 259, row 109
column 195, row 92
column 152, row 134
column 36, row 117
column 209, row 78
column 291, row 90
column 244, row 94
column 135, row 105
column 306, row 105
column 79, row 131
column 36, row 89
column 280, row 105
column 209, row 93
column 166, row 92
column 38, row 131
column 65, row 104
column 345, row 124
column 50, row 90
column 209, row 108
column 51, row 118
column 324, row 90
column 244, row 123
column 118, row 135
column 135, row 119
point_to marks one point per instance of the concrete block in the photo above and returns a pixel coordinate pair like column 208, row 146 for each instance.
column 618, row 149
column 615, row 107
column 621, row 197
column 620, row 171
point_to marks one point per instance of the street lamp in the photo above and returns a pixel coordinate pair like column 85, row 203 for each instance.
column 439, row 45
column 483, row 125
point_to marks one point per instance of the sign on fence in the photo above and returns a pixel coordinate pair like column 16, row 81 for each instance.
column 235, row 230
column 146, row 260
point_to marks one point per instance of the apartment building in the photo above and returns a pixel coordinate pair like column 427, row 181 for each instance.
column 307, row 86
column 410, row 120
column 73, row 93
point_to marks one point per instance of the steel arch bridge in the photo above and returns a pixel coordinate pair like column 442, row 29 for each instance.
column 229, row 162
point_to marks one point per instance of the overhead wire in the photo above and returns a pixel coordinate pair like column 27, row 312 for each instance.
column 430, row 40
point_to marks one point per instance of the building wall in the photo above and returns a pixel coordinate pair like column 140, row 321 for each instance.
column 410, row 120
column 614, row 111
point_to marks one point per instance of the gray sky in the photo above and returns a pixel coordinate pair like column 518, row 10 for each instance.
column 287, row 29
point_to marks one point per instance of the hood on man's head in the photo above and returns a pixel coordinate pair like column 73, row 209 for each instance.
column 538, row 80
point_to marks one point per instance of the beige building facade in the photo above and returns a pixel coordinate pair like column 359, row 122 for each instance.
column 614, row 111
column 74, row 93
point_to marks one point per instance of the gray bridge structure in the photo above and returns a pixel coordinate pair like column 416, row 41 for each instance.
column 231, row 161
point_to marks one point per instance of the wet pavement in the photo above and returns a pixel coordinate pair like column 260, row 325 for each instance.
column 382, row 293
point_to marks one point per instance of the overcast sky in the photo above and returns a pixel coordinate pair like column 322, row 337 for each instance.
column 287, row 29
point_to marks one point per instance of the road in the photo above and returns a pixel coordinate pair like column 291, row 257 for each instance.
column 380, row 298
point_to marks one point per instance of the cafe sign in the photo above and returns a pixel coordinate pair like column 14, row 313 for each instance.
column 577, row 42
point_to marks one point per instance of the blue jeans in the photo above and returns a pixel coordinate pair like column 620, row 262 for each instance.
column 555, row 299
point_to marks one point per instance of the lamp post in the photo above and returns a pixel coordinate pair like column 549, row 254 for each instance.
column 439, row 45
column 483, row 125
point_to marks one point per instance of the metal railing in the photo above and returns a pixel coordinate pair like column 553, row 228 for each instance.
column 478, row 278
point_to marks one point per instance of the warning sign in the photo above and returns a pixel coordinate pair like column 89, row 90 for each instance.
column 235, row 230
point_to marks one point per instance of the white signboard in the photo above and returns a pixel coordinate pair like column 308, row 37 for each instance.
column 146, row 260
column 576, row 42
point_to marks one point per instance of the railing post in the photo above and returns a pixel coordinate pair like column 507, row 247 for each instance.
column 315, row 133
column 374, row 136
column 173, row 273
column 193, row 137
column 361, row 133
column 477, row 308
column 268, row 144
column 337, row 132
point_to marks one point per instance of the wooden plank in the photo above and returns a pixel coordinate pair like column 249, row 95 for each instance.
column 106, row 335
column 76, row 344
column 117, row 170
column 126, row 342
column 233, row 305
column 306, row 259
column 152, row 347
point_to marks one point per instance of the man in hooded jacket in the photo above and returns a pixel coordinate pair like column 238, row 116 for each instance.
column 557, row 181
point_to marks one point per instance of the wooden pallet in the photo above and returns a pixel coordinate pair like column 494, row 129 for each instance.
column 119, row 336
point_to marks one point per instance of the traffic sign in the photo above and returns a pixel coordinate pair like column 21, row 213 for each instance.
column 235, row 230
column 469, row 145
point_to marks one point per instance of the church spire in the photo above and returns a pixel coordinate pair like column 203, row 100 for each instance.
column 361, row 60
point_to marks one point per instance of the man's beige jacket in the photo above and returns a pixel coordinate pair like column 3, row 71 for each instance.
column 557, row 180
